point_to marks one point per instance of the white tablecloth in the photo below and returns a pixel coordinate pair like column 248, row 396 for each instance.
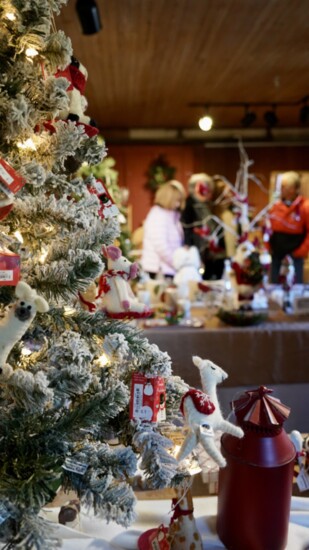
column 97, row 535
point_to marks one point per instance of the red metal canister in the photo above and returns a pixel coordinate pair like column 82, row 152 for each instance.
column 255, row 487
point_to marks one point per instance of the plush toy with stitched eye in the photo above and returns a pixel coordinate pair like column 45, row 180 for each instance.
column 116, row 297
column 17, row 320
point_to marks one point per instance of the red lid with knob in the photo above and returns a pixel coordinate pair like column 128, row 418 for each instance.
column 265, row 444
column 259, row 408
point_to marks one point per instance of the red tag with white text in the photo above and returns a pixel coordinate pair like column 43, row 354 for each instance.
column 9, row 268
column 10, row 180
column 147, row 398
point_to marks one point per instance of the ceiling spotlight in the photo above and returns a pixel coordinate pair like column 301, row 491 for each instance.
column 205, row 123
column 271, row 118
column 89, row 16
column 249, row 117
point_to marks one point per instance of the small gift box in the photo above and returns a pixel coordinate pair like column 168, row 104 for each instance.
column 9, row 268
column 147, row 398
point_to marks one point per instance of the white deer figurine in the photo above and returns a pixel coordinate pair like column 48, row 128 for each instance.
column 203, row 415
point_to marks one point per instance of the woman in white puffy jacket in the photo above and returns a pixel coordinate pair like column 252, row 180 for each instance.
column 163, row 232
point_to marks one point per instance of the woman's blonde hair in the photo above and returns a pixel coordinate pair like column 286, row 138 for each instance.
column 167, row 194
column 291, row 179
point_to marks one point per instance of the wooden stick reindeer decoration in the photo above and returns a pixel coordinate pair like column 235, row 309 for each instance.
column 238, row 193
column 17, row 320
column 202, row 413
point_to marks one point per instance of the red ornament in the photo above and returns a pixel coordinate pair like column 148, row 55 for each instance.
column 201, row 231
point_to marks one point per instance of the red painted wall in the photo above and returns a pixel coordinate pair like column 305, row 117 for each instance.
column 132, row 163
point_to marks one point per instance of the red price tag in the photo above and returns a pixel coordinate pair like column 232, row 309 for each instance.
column 10, row 180
column 148, row 396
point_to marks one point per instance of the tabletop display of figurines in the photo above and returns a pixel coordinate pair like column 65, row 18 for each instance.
column 245, row 301
column 239, row 298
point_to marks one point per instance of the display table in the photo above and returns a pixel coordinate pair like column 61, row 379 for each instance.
column 274, row 354
column 270, row 353
column 151, row 513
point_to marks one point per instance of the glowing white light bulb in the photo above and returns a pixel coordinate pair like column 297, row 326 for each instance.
column 43, row 255
column 19, row 236
column 103, row 360
column 205, row 123
column 27, row 144
column 31, row 52
column 11, row 16
column 68, row 311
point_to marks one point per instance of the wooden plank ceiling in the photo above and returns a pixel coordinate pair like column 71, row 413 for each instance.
column 154, row 57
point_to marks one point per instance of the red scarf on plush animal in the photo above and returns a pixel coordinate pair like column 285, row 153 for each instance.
column 201, row 401
column 104, row 286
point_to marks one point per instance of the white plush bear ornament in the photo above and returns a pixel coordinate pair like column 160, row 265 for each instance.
column 17, row 320
column 77, row 76
column 186, row 261
column 115, row 294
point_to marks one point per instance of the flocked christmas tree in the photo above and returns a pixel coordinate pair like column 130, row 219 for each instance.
column 64, row 373
column 106, row 173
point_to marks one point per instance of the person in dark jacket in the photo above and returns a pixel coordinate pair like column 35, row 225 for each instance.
column 198, row 225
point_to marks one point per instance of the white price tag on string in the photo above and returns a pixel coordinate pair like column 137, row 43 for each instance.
column 74, row 466
column 302, row 480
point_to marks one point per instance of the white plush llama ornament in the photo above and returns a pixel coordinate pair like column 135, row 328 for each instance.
column 203, row 415
column 17, row 320
column 115, row 294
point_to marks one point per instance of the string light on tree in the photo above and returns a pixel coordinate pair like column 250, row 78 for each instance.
column 103, row 360
column 11, row 16
column 19, row 236
column 31, row 52
column 27, row 144
column 43, row 256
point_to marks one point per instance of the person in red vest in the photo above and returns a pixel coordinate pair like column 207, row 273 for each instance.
column 289, row 219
